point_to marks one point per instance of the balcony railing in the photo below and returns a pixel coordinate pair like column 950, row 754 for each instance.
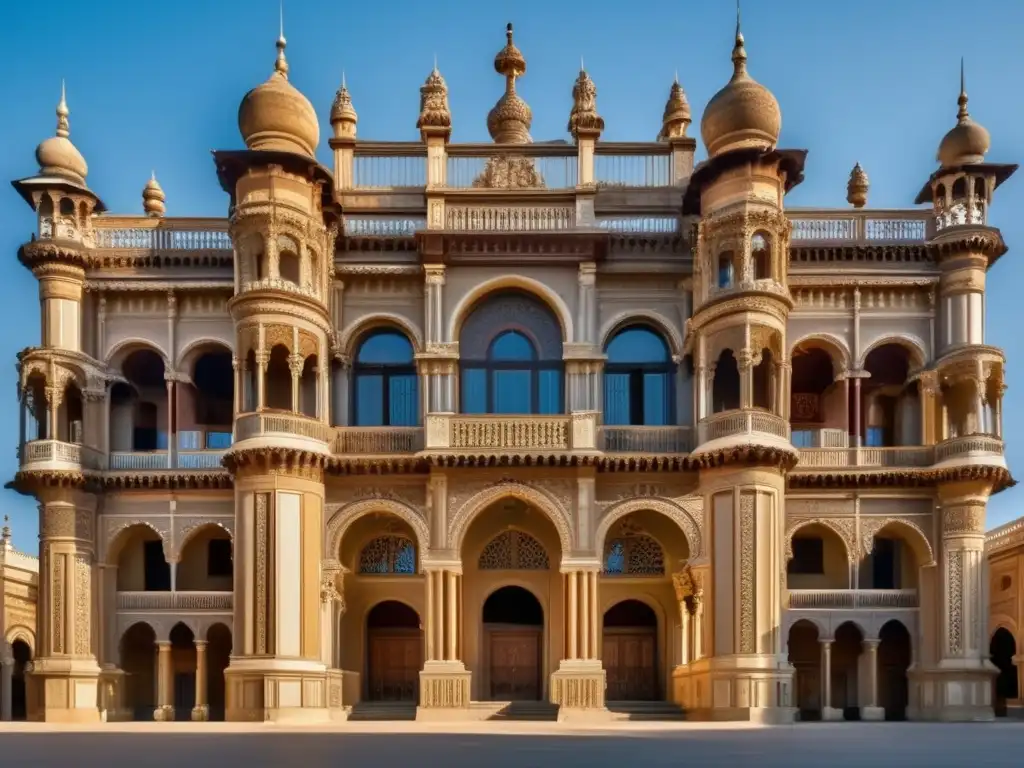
column 175, row 601
column 838, row 227
column 906, row 456
column 633, row 165
column 252, row 425
column 639, row 223
column 741, row 423
column 383, row 225
column 368, row 441
column 968, row 446
column 509, row 218
column 141, row 460
column 38, row 452
column 617, row 439
column 159, row 234
column 577, row 431
column 821, row 438
column 825, row 599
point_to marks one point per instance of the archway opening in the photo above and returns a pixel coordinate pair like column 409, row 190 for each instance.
column 805, row 656
column 139, row 417
column 395, row 640
column 278, row 380
column 206, row 405
column 206, row 562
column 846, row 652
column 513, row 622
column 819, row 405
column 141, row 565
column 630, row 652
column 183, row 671
column 19, row 701
column 725, row 388
column 891, row 410
column 819, row 560
column 893, row 662
column 218, row 654
column 638, row 379
column 138, row 660
column 1002, row 648
column 309, row 387
column 896, row 556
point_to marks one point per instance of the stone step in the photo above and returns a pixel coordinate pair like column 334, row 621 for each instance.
column 541, row 711
column 646, row 710
column 366, row 711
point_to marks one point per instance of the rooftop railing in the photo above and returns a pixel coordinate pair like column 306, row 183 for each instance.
column 840, row 226
column 160, row 234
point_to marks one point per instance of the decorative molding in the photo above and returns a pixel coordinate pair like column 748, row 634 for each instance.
column 689, row 518
column 747, row 593
column 845, row 528
column 870, row 526
column 342, row 517
column 955, row 574
column 541, row 500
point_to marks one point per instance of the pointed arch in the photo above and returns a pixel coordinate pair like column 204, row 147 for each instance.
column 916, row 537
column 843, row 528
column 683, row 517
column 24, row 634
column 192, row 531
column 540, row 500
column 120, row 531
column 914, row 345
column 345, row 516
column 655, row 320
column 527, row 284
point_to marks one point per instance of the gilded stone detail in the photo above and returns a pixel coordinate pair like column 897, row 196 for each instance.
column 262, row 502
column 964, row 519
column 59, row 565
column 955, row 575
column 748, row 636
column 83, row 605
column 844, row 527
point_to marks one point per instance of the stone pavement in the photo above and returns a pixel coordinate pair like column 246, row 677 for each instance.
column 518, row 745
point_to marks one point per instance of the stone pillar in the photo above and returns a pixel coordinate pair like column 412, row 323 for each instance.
column 684, row 634
column 276, row 672
column 6, row 683
column 951, row 679
column 164, row 711
column 828, row 712
column 65, row 675
column 871, row 710
column 340, row 416
column 201, row 711
column 444, row 679
column 578, row 684
column 856, row 431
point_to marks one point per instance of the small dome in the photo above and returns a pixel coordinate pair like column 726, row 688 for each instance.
column 744, row 114
column 434, row 110
column 510, row 60
column 153, row 198
column 967, row 142
column 275, row 116
column 343, row 114
column 509, row 120
column 56, row 155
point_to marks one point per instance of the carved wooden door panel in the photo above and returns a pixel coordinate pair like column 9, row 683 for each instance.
column 515, row 665
column 394, row 666
column 630, row 666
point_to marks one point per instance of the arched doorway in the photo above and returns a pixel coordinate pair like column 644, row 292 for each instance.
column 138, row 660
column 893, row 662
column 805, row 656
column 218, row 654
column 395, row 639
column 513, row 628
column 630, row 652
column 19, row 703
column 1002, row 649
column 183, row 664
column 846, row 651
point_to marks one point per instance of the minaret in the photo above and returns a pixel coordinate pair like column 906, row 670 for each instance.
column 737, row 335
column 282, row 225
column 343, row 122
column 66, row 673
column 962, row 394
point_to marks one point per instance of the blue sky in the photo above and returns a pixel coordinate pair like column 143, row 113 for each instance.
column 156, row 86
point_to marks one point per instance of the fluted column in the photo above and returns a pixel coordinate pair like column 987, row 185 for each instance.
column 164, row 682
column 579, row 682
column 201, row 711
column 444, row 680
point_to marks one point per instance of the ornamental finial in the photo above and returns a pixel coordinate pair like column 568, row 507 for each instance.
column 281, row 64
column 857, row 187
column 435, row 115
column 676, row 117
column 63, row 126
column 583, row 118
column 509, row 120
column 153, row 197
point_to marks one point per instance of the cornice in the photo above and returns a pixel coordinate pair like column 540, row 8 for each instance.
column 998, row 477
column 101, row 285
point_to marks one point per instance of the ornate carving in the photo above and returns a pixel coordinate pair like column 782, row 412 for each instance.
column 633, row 553
column 955, row 573
column 689, row 518
column 118, row 525
column 261, row 502
column 344, row 516
column 390, row 554
column 57, row 602
column 535, row 497
column 748, row 637
column 83, row 605
column 964, row 519
column 514, row 550
column 870, row 526
column 845, row 528
column 509, row 172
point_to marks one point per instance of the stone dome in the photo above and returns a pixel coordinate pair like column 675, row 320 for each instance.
column 56, row 155
column 744, row 114
column 275, row 116
column 967, row 142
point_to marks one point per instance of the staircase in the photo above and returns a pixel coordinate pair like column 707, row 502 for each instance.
column 367, row 711
column 646, row 710
column 535, row 711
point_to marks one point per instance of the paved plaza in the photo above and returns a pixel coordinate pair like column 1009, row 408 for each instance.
column 526, row 745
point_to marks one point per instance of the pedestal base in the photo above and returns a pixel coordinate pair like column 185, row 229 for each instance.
column 751, row 688
column 952, row 695
column 164, row 714
column 200, row 714
column 444, row 685
column 872, row 714
column 61, row 690
column 831, row 714
column 578, row 689
column 265, row 689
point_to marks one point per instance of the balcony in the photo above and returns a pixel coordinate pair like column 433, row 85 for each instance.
column 838, row 227
column 377, row 441
column 286, row 429
column 866, row 458
column 971, row 449
column 43, row 455
column 154, row 235
column 508, row 434
column 175, row 601
column 831, row 599
column 743, row 426
column 634, row 439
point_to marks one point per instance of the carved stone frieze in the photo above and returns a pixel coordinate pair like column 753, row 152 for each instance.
column 466, row 500
column 341, row 516
column 748, row 596
column 509, row 172
column 844, row 527
column 955, row 576
column 870, row 526
column 964, row 519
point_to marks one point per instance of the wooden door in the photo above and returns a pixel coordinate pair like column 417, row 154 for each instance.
column 395, row 661
column 630, row 665
column 515, row 665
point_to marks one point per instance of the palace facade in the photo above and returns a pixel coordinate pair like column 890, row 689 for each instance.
column 566, row 429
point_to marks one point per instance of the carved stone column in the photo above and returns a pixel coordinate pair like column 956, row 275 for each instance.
column 201, row 711
column 444, row 680
column 340, row 416
column 952, row 679
column 164, row 711
column 6, row 682
column 871, row 710
column 578, row 685
column 65, row 677
column 828, row 712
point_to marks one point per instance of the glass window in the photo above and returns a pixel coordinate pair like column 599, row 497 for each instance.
column 385, row 391
column 638, row 379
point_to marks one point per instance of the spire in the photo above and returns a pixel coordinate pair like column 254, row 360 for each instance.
column 739, row 53
column 63, row 127
column 281, row 65
column 153, row 198
column 962, row 113
column 509, row 120
column 583, row 118
column 676, row 117
column 857, row 187
column 435, row 116
column 343, row 114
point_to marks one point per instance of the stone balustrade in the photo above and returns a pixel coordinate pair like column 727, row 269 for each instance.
column 369, row 441
column 641, row 439
column 838, row 227
column 268, row 424
column 56, row 454
column 968, row 447
column 829, row 599
column 175, row 601
column 742, row 423
column 904, row 456
column 455, row 432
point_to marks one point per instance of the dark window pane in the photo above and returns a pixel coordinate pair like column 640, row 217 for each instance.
column 156, row 572
column 550, row 392
column 512, row 391
column 657, row 399
column 724, row 274
column 474, row 391
column 803, row 438
column 637, row 345
column 808, row 557
column 369, row 401
column 403, row 402
column 511, row 345
column 218, row 558
column 875, row 437
column 383, row 348
column 616, row 398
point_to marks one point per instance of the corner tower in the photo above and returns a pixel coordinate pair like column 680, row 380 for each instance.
column 282, row 229
column 741, row 304
column 962, row 403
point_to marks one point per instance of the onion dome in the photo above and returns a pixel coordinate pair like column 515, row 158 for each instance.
column 967, row 142
column 676, row 117
column 435, row 115
column 343, row 114
column 744, row 114
column 857, row 187
column 57, row 156
column 153, row 198
column 509, row 120
column 275, row 116
column 583, row 118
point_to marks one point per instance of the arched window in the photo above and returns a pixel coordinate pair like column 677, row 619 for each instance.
column 388, row 554
column 638, row 379
column 725, row 388
column 761, row 256
column 725, row 271
column 385, row 390
column 514, row 551
column 636, row 555
column 511, row 357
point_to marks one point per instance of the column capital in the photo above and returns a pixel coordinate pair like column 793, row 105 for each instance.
column 826, row 642
column 163, row 645
column 870, row 645
column 200, row 644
